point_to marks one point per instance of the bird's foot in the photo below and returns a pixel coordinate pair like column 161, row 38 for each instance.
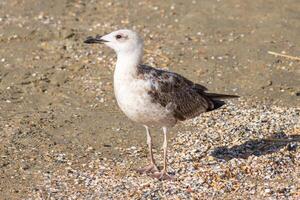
column 163, row 175
column 152, row 168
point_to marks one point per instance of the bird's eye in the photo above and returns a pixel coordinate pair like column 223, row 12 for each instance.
column 118, row 36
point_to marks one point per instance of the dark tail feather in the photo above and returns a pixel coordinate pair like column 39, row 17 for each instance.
column 217, row 99
column 220, row 96
column 218, row 104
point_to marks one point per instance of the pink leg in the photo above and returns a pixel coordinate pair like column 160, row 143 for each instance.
column 151, row 168
column 163, row 175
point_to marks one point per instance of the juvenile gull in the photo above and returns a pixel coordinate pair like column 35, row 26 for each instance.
column 153, row 97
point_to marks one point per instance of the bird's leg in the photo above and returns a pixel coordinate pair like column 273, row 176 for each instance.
column 165, row 145
column 152, row 166
column 163, row 175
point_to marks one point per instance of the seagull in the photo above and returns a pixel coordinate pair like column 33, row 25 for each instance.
column 153, row 97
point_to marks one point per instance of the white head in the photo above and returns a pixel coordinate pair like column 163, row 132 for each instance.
column 123, row 41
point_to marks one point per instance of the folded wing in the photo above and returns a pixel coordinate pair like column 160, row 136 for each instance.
column 181, row 96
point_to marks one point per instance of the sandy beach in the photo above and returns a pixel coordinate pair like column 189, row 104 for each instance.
column 63, row 136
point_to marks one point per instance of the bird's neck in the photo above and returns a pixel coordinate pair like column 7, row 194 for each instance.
column 128, row 63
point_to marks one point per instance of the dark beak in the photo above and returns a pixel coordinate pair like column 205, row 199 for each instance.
column 97, row 39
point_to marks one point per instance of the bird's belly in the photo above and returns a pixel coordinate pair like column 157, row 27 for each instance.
column 136, row 103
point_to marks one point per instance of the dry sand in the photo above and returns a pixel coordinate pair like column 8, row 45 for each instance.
column 62, row 134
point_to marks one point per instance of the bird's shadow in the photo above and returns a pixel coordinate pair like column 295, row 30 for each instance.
column 257, row 147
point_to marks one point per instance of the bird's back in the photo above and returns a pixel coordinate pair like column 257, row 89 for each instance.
column 179, row 95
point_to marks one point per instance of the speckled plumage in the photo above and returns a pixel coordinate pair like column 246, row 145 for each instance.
column 182, row 97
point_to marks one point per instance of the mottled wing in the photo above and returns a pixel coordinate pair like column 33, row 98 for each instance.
column 178, row 94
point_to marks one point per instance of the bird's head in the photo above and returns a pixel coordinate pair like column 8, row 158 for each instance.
column 122, row 41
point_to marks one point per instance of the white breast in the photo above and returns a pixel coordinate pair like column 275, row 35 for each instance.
column 132, row 92
column 133, row 99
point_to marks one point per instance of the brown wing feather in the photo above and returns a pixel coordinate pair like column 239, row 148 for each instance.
column 178, row 94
